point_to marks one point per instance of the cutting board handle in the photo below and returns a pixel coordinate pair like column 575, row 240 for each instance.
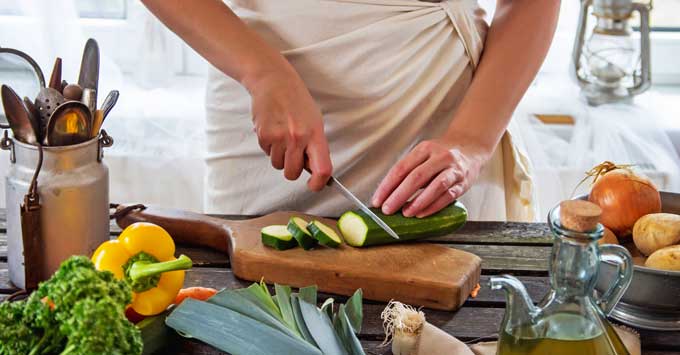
column 186, row 228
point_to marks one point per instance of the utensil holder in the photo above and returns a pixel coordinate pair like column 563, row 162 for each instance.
column 73, row 186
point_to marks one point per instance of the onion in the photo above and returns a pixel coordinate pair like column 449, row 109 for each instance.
column 623, row 196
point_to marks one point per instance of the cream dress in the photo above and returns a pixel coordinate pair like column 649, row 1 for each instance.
column 386, row 74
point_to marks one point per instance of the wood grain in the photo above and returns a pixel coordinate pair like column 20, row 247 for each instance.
column 421, row 274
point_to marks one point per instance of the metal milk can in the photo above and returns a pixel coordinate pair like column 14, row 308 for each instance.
column 73, row 186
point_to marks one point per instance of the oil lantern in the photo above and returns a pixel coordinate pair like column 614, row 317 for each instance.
column 612, row 64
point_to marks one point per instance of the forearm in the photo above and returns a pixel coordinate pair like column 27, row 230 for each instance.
column 513, row 53
column 215, row 32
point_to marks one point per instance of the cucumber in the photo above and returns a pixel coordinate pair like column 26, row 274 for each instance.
column 359, row 230
column 277, row 237
column 324, row 234
column 298, row 228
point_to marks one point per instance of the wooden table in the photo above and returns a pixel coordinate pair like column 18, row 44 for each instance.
column 521, row 249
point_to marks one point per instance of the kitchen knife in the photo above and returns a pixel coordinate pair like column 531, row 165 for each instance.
column 89, row 70
column 333, row 182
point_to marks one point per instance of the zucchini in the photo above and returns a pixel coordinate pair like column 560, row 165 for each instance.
column 298, row 228
column 359, row 230
column 324, row 234
column 277, row 237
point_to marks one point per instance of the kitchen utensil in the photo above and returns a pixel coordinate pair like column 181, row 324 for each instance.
column 424, row 274
column 71, row 123
column 653, row 299
column 89, row 99
column 26, row 78
column 109, row 102
column 47, row 102
column 97, row 121
column 333, row 182
column 55, row 78
column 89, row 72
column 34, row 116
column 73, row 188
column 570, row 317
column 64, row 84
column 73, row 92
column 18, row 116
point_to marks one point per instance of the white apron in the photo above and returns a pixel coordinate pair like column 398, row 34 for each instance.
column 386, row 74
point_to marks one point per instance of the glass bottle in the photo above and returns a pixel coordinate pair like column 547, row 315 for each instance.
column 570, row 319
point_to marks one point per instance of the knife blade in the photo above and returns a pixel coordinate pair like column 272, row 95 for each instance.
column 89, row 69
column 335, row 183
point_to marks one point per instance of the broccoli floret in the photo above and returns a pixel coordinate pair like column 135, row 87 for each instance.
column 16, row 336
column 78, row 311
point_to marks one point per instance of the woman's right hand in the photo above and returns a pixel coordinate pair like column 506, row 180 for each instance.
column 289, row 127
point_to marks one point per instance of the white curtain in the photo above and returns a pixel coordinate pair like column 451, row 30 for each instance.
column 158, row 123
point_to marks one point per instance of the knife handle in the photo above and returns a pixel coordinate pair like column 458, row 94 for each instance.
column 186, row 228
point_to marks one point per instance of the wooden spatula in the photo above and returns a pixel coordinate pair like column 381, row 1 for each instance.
column 420, row 274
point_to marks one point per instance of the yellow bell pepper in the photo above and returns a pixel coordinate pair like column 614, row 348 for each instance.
column 144, row 256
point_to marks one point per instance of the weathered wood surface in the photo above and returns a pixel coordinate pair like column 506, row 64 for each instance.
column 521, row 249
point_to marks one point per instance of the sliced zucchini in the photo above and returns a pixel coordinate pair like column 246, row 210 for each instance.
column 277, row 237
column 298, row 228
column 324, row 234
column 359, row 230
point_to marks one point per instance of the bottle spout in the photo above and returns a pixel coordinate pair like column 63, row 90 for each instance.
column 520, row 309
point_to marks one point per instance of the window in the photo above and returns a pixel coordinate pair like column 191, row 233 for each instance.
column 111, row 9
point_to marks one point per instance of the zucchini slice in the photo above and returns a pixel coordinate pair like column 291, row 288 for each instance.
column 324, row 234
column 298, row 228
column 359, row 230
column 277, row 237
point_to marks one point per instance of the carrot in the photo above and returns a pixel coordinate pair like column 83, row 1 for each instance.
column 475, row 291
column 197, row 293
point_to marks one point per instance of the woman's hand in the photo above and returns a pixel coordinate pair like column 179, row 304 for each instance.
column 289, row 127
column 444, row 171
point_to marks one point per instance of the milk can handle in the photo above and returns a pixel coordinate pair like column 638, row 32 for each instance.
column 621, row 257
column 7, row 144
column 105, row 141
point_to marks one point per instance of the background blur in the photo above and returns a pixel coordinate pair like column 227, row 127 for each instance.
column 158, row 124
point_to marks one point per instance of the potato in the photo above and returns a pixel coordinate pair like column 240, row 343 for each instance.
column 608, row 238
column 667, row 258
column 655, row 231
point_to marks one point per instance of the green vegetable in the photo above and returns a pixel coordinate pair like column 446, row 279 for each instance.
column 321, row 328
column 78, row 311
column 250, row 321
column 324, row 234
column 233, row 332
column 298, row 228
column 359, row 230
column 157, row 337
column 278, row 237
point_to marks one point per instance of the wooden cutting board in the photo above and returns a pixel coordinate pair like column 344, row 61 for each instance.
column 419, row 274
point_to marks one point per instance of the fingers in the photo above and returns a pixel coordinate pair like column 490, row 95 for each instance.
column 444, row 200
column 416, row 179
column 437, row 187
column 320, row 163
column 278, row 154
column 396, row 175
column 294, row 162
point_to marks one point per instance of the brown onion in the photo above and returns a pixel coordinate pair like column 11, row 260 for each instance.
column 623, row 196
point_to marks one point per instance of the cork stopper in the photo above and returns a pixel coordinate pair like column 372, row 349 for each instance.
column 579, row 215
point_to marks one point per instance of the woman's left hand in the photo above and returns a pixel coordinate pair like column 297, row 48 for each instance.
column 444, row 170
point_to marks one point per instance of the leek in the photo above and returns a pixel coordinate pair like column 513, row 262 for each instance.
column 308, row 294
column 237, row 303
column 297, row 313
column 346, row 332
column 355, row 310
column 283, row 301
column 233, row 332
column 322, row 330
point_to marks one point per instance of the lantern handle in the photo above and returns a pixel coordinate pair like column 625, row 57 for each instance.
column 579, row 41
column 643, row 79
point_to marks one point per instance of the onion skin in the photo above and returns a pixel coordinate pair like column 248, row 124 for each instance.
column 624, row 197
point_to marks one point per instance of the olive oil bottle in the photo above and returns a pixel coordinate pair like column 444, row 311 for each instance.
column 570, row 320
column 598, row 343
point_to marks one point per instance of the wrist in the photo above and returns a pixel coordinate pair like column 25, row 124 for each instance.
column 267, row 72
column 478, row 145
